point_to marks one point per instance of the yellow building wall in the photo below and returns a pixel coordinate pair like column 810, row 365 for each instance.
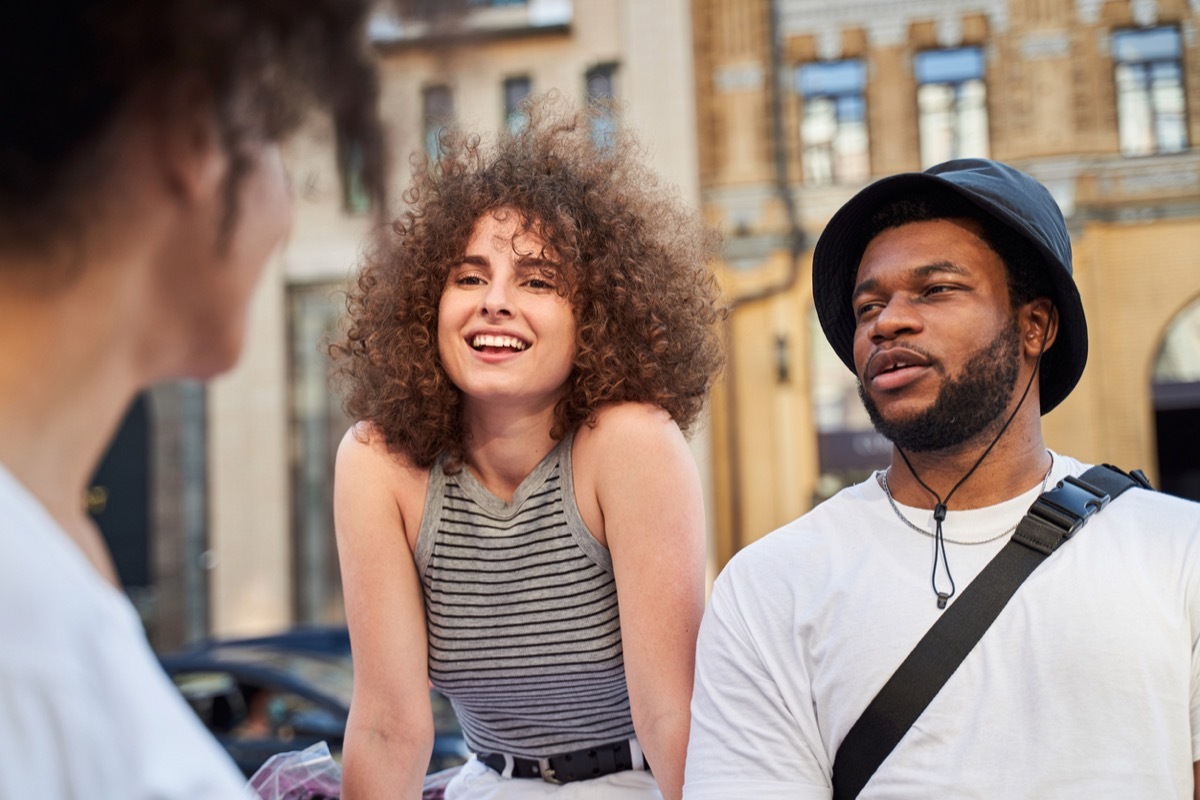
column 765, row 465
column 1134, row 278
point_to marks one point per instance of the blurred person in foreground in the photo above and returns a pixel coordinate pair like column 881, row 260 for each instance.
column 141, row 195
column 949, row 294
column 519, row 517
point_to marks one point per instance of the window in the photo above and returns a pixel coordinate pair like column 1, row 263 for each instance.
column 952, row 104
column 833, row 131
column 515, row 92
column 600, row 85
column 1151, row 113
column 316, row 426
column 438, row 112
column 351, row 164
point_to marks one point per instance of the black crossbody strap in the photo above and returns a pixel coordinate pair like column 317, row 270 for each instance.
column 1053, row 519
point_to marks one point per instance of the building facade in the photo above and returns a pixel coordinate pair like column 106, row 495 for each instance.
column 801, row 103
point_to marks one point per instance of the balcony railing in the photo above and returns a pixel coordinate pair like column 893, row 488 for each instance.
column 423, row 21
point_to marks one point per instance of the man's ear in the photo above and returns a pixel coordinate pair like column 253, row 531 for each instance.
column 1039, row 326
column 191, row 151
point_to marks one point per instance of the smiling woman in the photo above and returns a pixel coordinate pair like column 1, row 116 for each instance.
column 630, row 256
column 518, row 497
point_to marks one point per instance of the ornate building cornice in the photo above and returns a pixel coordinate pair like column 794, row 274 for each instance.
column 885, row 21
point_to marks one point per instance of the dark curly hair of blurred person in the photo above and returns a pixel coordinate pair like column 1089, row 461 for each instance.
column 635, row 266
column 72, row 67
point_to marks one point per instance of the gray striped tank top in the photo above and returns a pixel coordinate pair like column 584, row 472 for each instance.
column 521, row 608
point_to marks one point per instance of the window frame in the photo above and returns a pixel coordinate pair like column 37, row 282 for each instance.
column 602, row 104
column 515, row 115
column 434, row 120
column 1147, row 91
column 958, row 110
column 351, row 161
column 842, row 128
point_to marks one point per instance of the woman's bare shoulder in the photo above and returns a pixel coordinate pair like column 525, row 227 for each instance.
column 627, row 433
column 627, row 424
column 365, row 455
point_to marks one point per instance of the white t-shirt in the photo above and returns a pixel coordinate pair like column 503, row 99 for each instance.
column 1086, row 686
column 85, row 709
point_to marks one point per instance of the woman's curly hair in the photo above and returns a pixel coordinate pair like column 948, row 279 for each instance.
column 636, row 272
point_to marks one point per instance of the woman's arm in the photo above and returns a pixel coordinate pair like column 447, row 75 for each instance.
column 648, row 490
column 389, row 736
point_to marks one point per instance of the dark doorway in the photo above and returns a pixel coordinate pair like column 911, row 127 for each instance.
column 1176, row 393
column 1177, row 429
column 118, row 497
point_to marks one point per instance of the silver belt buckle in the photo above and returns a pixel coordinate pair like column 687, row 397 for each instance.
column 547, row 771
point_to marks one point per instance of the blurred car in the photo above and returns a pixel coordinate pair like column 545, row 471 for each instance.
column 331, row 640
column 279, row 693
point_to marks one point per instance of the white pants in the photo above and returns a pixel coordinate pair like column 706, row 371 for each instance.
column 478, row 781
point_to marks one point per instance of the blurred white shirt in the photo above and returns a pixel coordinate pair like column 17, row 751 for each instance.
column 85, row 709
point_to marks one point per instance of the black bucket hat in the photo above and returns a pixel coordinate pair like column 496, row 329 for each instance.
column 1006, row 195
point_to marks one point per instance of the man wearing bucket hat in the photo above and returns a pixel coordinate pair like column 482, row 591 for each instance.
column 949, row 293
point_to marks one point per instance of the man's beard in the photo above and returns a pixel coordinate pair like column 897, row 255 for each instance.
column 965, row 406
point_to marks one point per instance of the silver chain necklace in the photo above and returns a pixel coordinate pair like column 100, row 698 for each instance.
column 892, row 502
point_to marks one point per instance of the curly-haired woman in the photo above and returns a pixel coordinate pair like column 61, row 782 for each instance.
column 519, row 517
column 141, row 195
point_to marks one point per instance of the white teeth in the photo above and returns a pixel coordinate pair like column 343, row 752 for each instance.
column 488, row 340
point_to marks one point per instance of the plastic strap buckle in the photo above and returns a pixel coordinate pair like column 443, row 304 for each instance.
column 1057, row 514
column 1139, row 478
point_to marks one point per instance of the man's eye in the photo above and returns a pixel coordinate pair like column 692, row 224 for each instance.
column 539, row 283
column 469, row 280
column 865, row 310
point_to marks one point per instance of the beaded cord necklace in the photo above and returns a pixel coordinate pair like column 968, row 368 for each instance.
column 939, row 508
column 888, row 492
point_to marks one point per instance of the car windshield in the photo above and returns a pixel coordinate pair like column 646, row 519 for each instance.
column 331, row 675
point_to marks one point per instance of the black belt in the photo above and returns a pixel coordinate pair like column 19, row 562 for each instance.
column 578, row 765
